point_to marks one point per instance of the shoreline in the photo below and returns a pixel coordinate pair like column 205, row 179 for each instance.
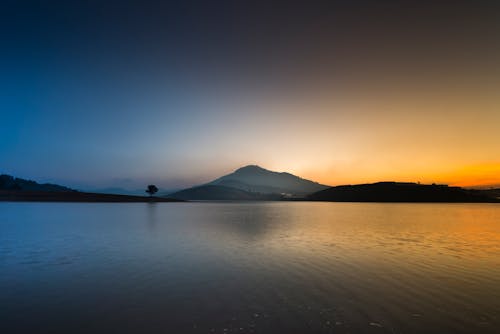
column 76, row 196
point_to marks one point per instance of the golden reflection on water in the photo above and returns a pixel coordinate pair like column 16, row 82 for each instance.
column 367, row 229
column 266, row 267
column 441, row 260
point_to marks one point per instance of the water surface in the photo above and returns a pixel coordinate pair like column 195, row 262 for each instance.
column 263, row 267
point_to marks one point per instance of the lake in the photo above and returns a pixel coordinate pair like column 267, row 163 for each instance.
column 252, row 267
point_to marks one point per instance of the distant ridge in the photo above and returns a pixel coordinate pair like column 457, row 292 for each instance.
column 8, row 182
column 400, row 192
column 257, row 179
column 252, row 182
column 13, row 189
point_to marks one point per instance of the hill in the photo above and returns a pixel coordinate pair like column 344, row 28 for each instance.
column 15, row 189
column 253, row 178
column 251, row 183
column 8, row 182
column 399, row 192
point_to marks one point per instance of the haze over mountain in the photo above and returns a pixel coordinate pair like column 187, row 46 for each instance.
column 252, row 182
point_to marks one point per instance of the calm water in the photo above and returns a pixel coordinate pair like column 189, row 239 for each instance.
column 249, row 268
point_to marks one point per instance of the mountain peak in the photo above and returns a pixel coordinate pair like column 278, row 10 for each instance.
column 254, row 178
column 250, row 168
column 252, row 182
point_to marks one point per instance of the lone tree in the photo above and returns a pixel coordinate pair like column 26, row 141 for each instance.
column 152, row 189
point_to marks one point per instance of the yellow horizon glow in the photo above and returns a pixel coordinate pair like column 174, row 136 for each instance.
column 432, row 128
column 478, row 175
column 445, row 139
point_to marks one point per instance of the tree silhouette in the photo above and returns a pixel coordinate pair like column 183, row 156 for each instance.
column 152, row 189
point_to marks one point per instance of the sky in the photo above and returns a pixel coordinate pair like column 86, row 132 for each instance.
column 122, row 93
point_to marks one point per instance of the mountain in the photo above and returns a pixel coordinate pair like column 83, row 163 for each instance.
column 399, row 192
column 253, row 178
column 252, row 183
column 8, row 182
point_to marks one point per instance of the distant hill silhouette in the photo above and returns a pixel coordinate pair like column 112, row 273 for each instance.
column 251, row 183
column 8, row 182
column 257, row 179
column 21, row 190
column 399, row 192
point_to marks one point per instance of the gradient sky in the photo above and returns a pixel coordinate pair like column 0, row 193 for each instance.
column 120, row 93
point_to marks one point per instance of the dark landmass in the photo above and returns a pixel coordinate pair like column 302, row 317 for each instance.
column 256, row 183
column 256, row 179
column 131, row 192
column 231, row 187
column 217, row 193
column 8, row 182
column 400, row 192
column 495, row 192
column 74, row 196
column 116, row 191
column 21, row 190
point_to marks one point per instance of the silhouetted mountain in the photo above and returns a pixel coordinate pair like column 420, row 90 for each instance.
column 399, row 192
column 253, row 178
column 251, row 183
column 8, row 182
column 213, row 192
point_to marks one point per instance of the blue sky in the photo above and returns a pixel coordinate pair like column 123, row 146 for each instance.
column 124, row 93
